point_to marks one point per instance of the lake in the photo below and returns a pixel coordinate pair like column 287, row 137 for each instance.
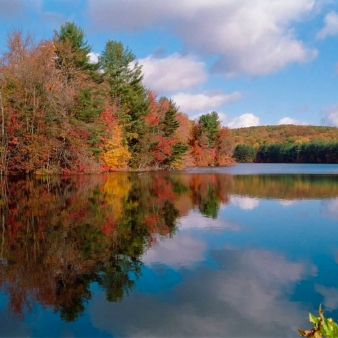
column 241, row 251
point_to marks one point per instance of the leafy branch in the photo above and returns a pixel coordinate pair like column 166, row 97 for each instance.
column 322, row 327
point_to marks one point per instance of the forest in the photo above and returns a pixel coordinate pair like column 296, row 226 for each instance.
column 285, row 144
column 63, row 114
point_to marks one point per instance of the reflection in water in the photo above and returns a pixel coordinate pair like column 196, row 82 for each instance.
column 58, row 236
column 330, row 208
column 244, row 297
column 245, row 203
column 287, row 186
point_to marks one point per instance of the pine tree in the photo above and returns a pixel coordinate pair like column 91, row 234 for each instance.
column 72, row 49
column 169, row 122
column 210, row 124
column 124, row 78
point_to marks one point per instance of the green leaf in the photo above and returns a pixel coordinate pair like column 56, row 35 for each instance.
column 313, row 319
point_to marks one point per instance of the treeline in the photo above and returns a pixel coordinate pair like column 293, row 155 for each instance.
column 61, row 113
column 310, row 152
column 290, row 134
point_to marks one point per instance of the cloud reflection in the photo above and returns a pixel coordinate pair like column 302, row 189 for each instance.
column 195, row 220
column 330, row 208
column 181, row 251
column 248, row 296
column 330, row 296
column 286, row 203
column 245, row 203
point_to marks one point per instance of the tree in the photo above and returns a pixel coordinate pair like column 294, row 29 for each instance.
column 115, row 153
column 72, row 49
column 169, row 121
column 224, row 147
column 125, row 90
column 210, row 124
column 244, row 153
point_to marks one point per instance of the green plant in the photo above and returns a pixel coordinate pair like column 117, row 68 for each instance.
column 322, row 327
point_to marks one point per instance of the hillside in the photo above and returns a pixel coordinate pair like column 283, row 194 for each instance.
column 291, row 134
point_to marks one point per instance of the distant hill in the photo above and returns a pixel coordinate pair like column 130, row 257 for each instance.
column 292, row 134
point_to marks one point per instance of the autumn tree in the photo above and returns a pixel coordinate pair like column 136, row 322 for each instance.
column 204, row 134
column 165, row 149
column 125, row 90
column 72, row 50
column 116, row 155
column 224, row 147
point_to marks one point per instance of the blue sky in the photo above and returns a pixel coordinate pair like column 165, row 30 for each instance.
column 255, row 62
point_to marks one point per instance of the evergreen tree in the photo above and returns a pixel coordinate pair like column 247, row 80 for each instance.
column 210, row 124
column 72, row 49
column 244, row 153
column 124, row 78
column 169, row 121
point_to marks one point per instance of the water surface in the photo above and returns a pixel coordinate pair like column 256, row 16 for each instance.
column 245, row 251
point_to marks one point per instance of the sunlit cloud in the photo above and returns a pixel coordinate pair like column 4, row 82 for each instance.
column 204, row 101
column 173, row 73
column 330, row 26
column 218, row 28
column 245, row 120
column 93, row 57
column 290, row 120
column 330, row 116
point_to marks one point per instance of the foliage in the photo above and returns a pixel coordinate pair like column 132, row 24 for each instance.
column 210, row 144
column 210, row 124
column 62, row 114
column 311, row 152
column 125, row 90
column 286, row 134
column 244, row 153
column 116, row 155
column 321, row 326
column 287, row 187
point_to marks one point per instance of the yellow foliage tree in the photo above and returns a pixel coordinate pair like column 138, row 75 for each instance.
column 116, row 155
column 116, row 190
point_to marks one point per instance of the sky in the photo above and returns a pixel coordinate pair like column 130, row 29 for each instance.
column 254, row 62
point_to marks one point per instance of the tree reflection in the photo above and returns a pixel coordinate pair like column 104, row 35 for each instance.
column 60, row 235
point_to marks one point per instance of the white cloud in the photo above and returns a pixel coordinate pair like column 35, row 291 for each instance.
column 330, row 116
column 242, row 121
column 173, row 73
column 93, row 57
column 330, row 27
column 203, row 101
column 253, row 37
column 245, row 203
column 289, row 120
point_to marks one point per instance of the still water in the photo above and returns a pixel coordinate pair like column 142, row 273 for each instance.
column 244, row 251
